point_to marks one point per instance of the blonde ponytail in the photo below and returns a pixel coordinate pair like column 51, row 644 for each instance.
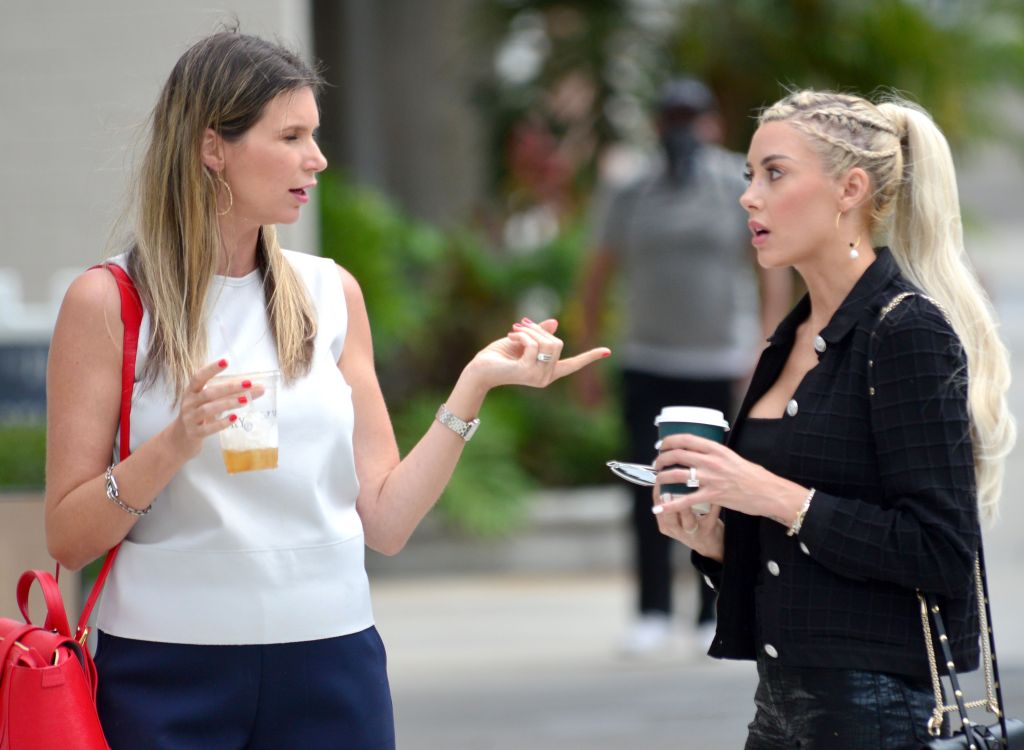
column 926, row 238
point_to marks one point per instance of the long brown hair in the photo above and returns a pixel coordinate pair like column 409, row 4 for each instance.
column 222, row 82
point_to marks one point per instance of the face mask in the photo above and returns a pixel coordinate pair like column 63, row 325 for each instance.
column 680, row 145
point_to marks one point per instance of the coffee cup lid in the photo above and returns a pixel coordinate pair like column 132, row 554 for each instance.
column 695, row 414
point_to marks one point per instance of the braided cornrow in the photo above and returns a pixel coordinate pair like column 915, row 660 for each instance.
column 850, row 132
column 846, row 145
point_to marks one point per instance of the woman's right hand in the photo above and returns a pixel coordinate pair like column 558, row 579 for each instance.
column 205, row 405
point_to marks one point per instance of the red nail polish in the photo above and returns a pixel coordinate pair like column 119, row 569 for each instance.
column 527, row 321
column 247, row 384
column 607, row 354
column 222, row 364
column 232, row 417
column 517, row 325
column 243, row 400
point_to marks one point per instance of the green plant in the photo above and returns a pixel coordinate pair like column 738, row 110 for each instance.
column 435, row 299
column 22, row 456
column 953, row 58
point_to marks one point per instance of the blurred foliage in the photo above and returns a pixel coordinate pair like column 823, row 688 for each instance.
column 436, row 298
column 570, row 78
column 22, row 456
column 956, row 59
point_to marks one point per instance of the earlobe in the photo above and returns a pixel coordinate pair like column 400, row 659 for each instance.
column 212, row 153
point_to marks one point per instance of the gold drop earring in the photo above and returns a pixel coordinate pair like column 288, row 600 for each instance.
column 854, row 254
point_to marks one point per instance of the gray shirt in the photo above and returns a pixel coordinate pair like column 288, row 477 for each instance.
column 691, row 307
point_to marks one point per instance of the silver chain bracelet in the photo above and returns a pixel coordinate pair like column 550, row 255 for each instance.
column 114, row 495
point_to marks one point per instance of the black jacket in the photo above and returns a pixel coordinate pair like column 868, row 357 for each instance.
column 880, row 428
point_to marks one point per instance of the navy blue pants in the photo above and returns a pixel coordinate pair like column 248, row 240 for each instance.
column 330, row 693
column 801, row 708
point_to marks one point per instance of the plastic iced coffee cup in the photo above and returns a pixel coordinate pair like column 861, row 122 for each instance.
column 250, row 442
column 694, row 420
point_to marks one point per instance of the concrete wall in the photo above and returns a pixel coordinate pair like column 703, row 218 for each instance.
column 398, row 115
column 77, row 81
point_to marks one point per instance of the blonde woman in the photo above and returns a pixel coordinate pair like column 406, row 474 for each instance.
column 871, row 440
column 238, row 614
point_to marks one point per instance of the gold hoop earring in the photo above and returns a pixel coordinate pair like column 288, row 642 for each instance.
column 231, row 196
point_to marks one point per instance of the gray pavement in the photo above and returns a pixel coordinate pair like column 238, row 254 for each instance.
column 510, row 643
column 507, row 661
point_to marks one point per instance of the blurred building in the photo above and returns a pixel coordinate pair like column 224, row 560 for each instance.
column 398, row 115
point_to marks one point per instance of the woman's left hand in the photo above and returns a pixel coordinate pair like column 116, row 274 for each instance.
column 529, row 355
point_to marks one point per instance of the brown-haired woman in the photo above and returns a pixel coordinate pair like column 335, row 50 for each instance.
column 238, row 614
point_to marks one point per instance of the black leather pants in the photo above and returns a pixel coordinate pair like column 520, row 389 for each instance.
column 837, row 709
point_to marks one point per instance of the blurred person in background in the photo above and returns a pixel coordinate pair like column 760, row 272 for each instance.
column 238, row 613
column 870, row 443
column 693, row 320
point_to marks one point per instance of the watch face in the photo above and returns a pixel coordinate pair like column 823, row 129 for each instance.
column 471, row 429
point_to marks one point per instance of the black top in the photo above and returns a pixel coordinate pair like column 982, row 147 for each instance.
column 880, row 428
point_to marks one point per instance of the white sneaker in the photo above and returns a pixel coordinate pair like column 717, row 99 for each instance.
column 650, row 633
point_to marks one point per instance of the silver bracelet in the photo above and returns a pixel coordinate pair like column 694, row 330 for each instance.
column 460, row 427
column 799, row 520
column 114, row 495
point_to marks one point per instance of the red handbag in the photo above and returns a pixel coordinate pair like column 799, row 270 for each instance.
column 47, row 676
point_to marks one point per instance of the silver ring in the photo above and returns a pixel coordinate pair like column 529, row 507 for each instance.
column 544, row 357
column 693, row 481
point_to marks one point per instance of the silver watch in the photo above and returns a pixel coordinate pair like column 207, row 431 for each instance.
column 460, row 427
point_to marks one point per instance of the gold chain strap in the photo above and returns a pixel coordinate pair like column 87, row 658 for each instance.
column 986, row 645
column 989, row 702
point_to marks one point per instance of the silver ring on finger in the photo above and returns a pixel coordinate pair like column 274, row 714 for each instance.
column 544, row 357
column 693, row 481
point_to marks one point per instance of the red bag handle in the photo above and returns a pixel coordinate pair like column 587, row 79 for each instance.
column 131, row 316
column 56, row 617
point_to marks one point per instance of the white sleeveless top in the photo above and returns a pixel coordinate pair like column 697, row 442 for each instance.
column 259, row 557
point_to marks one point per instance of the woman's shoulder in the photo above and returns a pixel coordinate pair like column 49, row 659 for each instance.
column 91, row 308
column 907, row 308
column 324, row 275
column 307, row 263
column 94, row 290
column 910, row 323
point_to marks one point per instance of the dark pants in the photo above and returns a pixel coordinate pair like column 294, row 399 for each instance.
column 330, row 693
column 837, row 709
column 643, row 397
